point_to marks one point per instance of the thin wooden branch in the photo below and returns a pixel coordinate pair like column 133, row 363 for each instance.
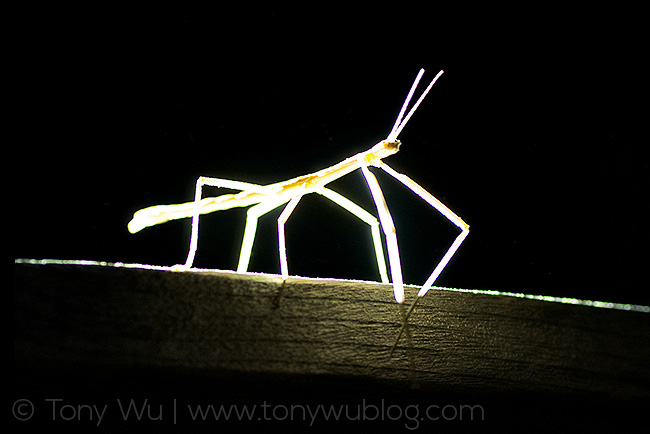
column 211, row 323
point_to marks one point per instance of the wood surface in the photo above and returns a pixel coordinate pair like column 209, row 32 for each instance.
column 217, row 328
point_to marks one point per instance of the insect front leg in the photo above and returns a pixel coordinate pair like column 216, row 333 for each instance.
column 389, row 231
column 442, row 209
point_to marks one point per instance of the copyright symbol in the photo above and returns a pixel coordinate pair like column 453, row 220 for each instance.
column 23, row 409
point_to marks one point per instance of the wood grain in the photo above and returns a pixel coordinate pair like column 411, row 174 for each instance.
column 221, row 325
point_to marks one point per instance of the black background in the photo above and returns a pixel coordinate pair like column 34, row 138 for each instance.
column 534, row 136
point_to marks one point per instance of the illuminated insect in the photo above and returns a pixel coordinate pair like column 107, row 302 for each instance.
column 266, row 198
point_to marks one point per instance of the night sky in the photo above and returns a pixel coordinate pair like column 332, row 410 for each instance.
column 534, row 135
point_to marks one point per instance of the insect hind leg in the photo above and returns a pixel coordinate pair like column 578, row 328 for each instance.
column 198, row 194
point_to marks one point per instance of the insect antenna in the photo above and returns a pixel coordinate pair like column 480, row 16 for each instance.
column 401, row 123
column 406, row 102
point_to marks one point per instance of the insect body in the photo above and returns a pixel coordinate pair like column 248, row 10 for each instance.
column 265, row 198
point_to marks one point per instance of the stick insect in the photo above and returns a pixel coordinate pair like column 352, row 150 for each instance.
column 265, row 198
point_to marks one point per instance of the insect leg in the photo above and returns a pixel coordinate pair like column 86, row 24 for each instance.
column 158, row 214
column 198, row 192
column 366, row 217
column 389, row 230
column 252, row 216
column 284, row 267
column 440, row 207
